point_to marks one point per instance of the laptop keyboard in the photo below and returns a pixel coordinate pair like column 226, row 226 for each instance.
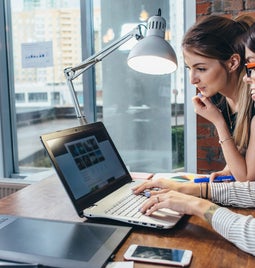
column 128, row 206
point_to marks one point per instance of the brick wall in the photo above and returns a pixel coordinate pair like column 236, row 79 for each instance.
column 209, row 154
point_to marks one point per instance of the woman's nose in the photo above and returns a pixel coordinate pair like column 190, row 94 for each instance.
column 249, row 79
column 193, row 79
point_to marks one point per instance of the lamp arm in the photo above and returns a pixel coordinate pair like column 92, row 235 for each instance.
column 94, row 59
column 73, row 72
column 82, row 119
column 97, row 57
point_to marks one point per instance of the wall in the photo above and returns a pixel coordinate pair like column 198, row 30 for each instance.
column 209, row 154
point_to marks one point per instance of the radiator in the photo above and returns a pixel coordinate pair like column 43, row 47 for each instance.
column 9, row 188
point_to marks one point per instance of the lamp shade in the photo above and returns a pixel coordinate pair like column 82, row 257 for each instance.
column 153, row 54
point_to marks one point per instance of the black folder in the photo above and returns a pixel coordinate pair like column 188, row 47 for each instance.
column 63, row 244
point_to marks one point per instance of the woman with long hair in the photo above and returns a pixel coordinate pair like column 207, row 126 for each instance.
column 214, row 54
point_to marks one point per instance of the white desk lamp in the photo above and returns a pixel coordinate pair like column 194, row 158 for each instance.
column 151, row 55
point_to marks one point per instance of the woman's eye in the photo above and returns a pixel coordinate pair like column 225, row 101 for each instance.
column 201, row 69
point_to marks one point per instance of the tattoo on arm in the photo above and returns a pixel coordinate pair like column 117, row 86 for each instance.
column 209, row 213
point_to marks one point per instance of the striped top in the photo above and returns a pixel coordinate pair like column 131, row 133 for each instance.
column 238, row 229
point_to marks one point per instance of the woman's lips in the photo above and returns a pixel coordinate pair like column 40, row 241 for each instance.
column 201, row 89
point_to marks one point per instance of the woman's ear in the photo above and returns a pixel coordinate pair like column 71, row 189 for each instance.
column 234, row 62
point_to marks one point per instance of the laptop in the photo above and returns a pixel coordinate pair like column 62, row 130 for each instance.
column 31, row 242
column 96, row 178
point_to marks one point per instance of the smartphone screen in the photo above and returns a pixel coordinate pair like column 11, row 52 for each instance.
column 175, row 255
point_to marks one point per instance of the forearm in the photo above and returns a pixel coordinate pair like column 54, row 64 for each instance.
column 202, row 190
column 204, row 209
column 239, row 194
column 234, row 159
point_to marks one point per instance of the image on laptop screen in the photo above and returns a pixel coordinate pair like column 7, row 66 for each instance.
column 88, row 162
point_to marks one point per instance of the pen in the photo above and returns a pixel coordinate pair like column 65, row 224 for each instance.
column 224, row 178
column 198, row 180
column 217, row 179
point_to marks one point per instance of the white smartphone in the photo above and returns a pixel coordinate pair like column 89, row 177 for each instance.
column 171, row 256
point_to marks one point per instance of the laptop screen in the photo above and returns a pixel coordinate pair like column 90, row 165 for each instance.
column 87, row 162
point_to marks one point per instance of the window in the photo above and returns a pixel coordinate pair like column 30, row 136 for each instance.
column 143, row 114
column 20, row 97
column 38, row 97
column 55, row 97
column 42, row 28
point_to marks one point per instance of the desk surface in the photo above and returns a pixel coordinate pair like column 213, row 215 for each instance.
column 48, row 199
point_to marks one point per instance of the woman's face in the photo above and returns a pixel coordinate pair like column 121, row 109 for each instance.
column 250, row 58
column 208, row 75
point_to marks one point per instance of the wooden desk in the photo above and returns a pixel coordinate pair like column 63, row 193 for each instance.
column 48, row 199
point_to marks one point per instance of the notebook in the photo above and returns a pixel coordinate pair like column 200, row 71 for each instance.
column 96, row 178
column 51, row 243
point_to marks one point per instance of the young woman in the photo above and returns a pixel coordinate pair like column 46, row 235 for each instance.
column 215, row 60
column 184, row 197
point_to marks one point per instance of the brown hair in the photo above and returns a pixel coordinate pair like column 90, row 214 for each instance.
column 219, row 37
column 216, row 37
column 242, row 131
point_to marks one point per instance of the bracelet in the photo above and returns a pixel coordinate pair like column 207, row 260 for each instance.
column 201, row 190
column 226, row 139
column 206, row 191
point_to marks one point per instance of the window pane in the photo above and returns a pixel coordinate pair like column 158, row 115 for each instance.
column 140, row 111
column 46, row 39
